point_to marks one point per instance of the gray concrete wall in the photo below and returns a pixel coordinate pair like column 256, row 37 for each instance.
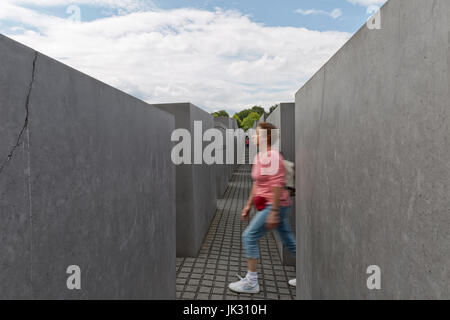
column 261, row 120
column 195, row 185
column 225, row 121
column 283, row 117
column 372, row 152
column 234, row 124
column 223, row 171
column 90, row 183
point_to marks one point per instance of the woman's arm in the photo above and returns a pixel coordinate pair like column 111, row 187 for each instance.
column 273, row 219
column 248, row 206
column 276, row 198
column 250, row 198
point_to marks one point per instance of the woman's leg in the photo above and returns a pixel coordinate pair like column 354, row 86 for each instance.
column 284, row 230
column 252, row 264
column 251, row 236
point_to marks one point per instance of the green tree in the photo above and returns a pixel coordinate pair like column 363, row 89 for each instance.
column 221, row 113
column 272, row 108
column 248, row 122
column 239, row 121
column 259, row 110
column 244, row 114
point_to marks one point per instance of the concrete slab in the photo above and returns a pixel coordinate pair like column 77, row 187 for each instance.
column 223, row 171
column 195, row 185
column 283, row 117
column 90, row 184
column 372, row 161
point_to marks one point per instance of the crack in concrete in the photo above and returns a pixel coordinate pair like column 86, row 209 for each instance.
column 25, row 124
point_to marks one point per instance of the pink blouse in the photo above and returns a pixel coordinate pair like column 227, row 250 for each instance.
column 266, row 177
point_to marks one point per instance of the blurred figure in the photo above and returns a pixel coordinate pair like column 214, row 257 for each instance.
column 271, row 200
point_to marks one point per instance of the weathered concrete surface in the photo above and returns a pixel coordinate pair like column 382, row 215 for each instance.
column 283, row 117
column 90, row 184
column 195, row 184
column 372, row 154
column 223, row 171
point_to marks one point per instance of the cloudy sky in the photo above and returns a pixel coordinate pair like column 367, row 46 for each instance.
column 216, row 54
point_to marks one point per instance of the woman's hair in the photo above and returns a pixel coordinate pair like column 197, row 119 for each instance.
column 269, row 127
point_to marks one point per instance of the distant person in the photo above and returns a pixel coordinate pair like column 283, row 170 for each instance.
column 272, row 201
column 247, row 141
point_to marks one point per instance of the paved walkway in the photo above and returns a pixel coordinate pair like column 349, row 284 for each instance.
column 222, row 257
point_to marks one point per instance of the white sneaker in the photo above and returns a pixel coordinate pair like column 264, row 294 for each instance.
column 293, row 282
column 244, row 285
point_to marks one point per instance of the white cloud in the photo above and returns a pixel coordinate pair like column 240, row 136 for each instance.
column 367, row 3
column 336, row 13
column 129, row 5
column 216, row 60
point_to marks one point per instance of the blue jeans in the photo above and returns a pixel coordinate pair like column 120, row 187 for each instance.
column 257, row 229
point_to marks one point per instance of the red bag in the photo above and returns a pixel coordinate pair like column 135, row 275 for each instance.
column 259, row 203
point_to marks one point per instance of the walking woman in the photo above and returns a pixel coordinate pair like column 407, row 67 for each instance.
column 271, row 200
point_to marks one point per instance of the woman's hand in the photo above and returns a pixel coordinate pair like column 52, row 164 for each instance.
column 246, row 212
column 273, row 220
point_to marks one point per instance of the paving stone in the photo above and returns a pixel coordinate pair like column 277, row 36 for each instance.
column 272, row 296
column 208, row 277
column 180, row 287
column 205, row 290
column 283, row 290
column 190, row 288
column 193, row 282
column 188, row 295
column 207, row 283
column 269, row 282
column 218, row 290
column 259, row 295
column 203, row 296
column 270, row 289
